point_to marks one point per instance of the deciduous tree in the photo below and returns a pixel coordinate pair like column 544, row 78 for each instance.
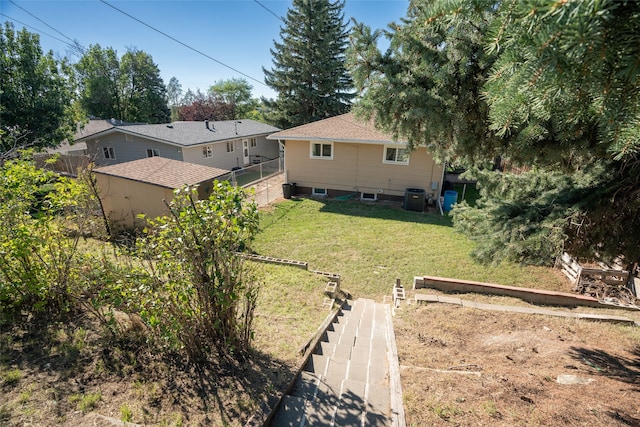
column 35, row 93
column 205, row 107
column 128, row 89
column 237, row 93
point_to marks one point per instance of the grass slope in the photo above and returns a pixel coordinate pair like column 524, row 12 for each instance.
column 370, row 245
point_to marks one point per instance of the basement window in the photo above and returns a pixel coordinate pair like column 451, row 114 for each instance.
column 369, row 196
column 319, row 191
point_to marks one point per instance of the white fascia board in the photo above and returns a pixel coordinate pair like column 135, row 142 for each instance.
column 344, row 141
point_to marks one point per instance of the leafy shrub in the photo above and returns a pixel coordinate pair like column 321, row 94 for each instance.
column 200, row 296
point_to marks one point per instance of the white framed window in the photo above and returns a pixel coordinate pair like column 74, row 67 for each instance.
column 395, row 155
column 153, row 152
column 230, row 146
column 369, row 196
column 254, row 142
column 322, row 150
column 319, row 191
column 108, row 152
column 207, row 151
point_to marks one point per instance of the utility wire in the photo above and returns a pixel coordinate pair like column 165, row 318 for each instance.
column 32, row 15
column 270, row 11
column 183, row 44
column 37, row 30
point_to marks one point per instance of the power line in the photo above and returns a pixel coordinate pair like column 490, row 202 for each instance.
column 37, row 30
column 182, row 43
column 32, row 15
column 270, row 11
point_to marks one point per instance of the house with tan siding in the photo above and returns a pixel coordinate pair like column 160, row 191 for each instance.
column 142, row 187
column 220, row 144
column 342, row 156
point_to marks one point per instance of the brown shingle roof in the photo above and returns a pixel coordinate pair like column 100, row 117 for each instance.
column 163, row 172
column 344, row 128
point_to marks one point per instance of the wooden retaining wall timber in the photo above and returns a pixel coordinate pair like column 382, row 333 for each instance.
column 536, row 296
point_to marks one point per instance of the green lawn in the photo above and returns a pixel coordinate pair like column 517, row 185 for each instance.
column 370, row 245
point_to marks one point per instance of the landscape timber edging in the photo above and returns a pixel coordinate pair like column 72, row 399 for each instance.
column 536, row 296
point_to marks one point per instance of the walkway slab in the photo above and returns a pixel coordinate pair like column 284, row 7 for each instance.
column 421, row 298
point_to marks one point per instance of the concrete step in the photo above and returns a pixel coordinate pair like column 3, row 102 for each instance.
column 291, row 412
column 351, row 407
column 346, row 381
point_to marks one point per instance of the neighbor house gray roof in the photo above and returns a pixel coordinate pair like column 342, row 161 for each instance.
column 343, row 128
column 163, row 172
column 192, row 133
column 82, row 130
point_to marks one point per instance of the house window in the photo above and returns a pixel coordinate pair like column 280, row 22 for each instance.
column 108, row 152
column 368, row 196
column 319, row 191
column 322, row 150
column 254, row 142
column 153, row 152
column 230, row 147
column 207, row 151
column 395, row 155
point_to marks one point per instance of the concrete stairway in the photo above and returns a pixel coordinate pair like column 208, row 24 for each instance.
column 349, row 380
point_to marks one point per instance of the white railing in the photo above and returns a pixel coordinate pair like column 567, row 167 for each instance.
column 250, row 174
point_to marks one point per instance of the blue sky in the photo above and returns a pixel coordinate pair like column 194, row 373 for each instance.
column 237, row 33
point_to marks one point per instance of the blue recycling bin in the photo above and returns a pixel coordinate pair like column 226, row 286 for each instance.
column 450, row 199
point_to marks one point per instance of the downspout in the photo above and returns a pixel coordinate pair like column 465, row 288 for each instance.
column 439, row 198
column 284, row 160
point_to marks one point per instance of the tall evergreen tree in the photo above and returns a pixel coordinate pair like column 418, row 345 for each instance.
column 426, row 88
column 551, row 86
column 309, row 73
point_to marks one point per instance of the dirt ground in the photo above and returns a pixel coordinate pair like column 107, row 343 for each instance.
column 464, row 366
column 65, row 375
column 459, row 366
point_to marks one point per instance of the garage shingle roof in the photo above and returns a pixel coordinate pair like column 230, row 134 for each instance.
column 163, row 172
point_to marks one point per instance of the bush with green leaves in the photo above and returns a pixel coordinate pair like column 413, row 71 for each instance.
column 200, row 296
column 38, row 259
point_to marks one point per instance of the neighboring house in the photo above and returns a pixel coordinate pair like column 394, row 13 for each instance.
column 71, row 157
column 342, row 156
column 142, row 186
column 226, row 144
column 78, row 146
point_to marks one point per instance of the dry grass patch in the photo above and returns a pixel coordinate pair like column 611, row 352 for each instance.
column 462, row 366
column 68, row 374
